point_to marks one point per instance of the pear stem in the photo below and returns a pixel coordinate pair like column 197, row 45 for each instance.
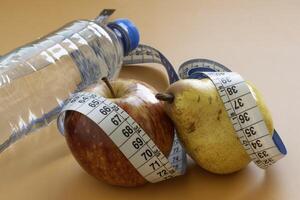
column 106, row 81
column 165, row 97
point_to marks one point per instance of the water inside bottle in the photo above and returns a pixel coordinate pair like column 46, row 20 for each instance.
column 36, row 79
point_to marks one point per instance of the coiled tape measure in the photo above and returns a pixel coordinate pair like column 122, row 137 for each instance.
column 138, row 147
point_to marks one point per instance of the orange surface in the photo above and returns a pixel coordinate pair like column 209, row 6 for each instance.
column 259, row 39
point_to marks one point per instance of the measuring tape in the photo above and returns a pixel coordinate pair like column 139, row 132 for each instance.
column 146, row 54
column 242, row 110
column 138, row 148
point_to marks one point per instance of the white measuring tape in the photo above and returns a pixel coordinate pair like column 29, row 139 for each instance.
column 242, row 110
column 137, row 146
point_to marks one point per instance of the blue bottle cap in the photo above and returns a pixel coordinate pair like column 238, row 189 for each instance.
column 127, row 32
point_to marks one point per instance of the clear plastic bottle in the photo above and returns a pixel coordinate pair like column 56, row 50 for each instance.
column 35, row 79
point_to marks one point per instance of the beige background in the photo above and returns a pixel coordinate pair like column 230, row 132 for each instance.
column 258, row 38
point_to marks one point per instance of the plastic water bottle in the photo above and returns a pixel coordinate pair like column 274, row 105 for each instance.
column 35, row 79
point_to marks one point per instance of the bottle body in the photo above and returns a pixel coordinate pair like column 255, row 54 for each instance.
column 35, row 79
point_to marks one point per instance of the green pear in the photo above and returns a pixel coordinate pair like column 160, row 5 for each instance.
column 204, row 127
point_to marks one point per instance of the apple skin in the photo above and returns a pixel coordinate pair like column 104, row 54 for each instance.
column 95, row 151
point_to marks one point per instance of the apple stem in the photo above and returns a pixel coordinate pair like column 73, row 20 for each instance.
column 165, row 97
column 106, row 81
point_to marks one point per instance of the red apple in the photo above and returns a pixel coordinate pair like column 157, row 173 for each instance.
column 96, row 152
